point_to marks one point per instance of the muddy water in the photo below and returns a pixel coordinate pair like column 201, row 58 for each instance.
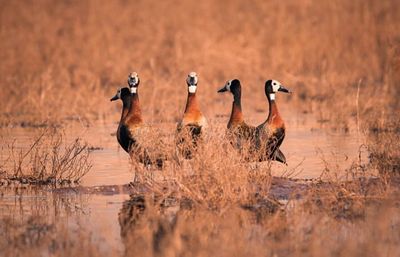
column 306, row 147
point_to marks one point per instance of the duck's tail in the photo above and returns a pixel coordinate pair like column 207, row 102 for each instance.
column 279, row 156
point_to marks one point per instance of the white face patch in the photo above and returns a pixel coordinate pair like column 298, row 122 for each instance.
column 275, row 85
column 133, row 90
column 192, row 89
column 192, row 82
column 192, row 79
column 133, row 79
column 272, row 96
column 119, row 94
column 228, row 85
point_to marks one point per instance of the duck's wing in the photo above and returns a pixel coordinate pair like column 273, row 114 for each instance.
column 249, row 132
column 261, row 136
column 249, row 136
column 268, row 143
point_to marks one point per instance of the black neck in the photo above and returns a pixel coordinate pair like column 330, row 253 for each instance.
column 126, row 101
column 237, row 95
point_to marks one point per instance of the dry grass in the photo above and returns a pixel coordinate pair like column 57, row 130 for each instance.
column 216, row 175
column 49, row 160
column 384, row 147
column 63, row 64
column 217, row 204
column 317, row 226
column 330, row 220
column 64, row 59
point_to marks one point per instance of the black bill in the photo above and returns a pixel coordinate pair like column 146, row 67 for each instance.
column 222, row 90
column 284, row 90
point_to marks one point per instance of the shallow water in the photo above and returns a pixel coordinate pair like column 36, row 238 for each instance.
column 306, row 145
column 93, row 216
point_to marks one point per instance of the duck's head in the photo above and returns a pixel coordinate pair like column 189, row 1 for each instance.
column 122, row 93
column 232, row 86
column 274, row 86
column 133, row 82
column 191, row 81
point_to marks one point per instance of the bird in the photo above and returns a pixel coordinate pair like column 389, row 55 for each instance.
column 271, row 133
column 132, row 131
column 193, row 123
column 122, row 132
column 240, row 133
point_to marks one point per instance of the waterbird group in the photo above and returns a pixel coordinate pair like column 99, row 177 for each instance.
column 261, row 142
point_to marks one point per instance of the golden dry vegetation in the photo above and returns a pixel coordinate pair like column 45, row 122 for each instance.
column 61, row 61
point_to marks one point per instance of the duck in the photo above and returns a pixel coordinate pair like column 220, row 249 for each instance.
column 132, row 129
column 271, row 133
column 239, row 131
column 124, row 95
column 133, row 120
column 193, row 123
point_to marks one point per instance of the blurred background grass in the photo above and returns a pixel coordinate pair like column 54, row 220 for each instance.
column 63, row 59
